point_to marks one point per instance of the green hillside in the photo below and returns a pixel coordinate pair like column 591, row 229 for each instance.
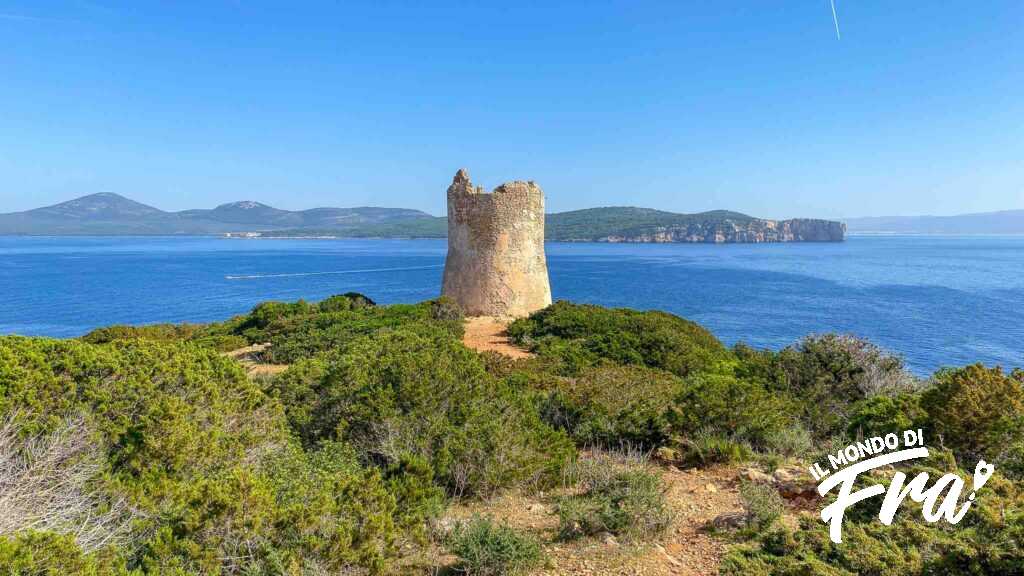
column 595, row 223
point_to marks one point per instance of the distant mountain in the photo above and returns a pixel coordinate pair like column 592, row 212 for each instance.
column 111, row 214
column 101, row 206
column 246, row 212
column 1004, row 222
column 102, row 213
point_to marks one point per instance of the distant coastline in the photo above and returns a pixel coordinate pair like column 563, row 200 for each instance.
column 109, row 214
column 981, row 223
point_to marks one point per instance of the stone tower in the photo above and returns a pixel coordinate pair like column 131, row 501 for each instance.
column 496, row 264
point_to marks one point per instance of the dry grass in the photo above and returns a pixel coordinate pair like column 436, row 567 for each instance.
column 46, row 484
column 688, row 548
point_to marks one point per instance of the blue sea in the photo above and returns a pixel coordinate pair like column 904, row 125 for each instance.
column 937, row 301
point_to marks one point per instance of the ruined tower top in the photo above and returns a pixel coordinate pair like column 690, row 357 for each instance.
column 496, row 264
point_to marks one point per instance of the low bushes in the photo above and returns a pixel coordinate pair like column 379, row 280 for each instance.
column 297, row 511
column 580, row 334
column 708, row 446
column 337, row 464
column 978, row 412
column 255, row 325
column 35, row 553
column 989, row 540
column 296, row 337
column 158, row 332
column 740, row 410
column 202, row 457
column 880, row 415
column 396, row 393
column 615, row 496
column 831, row 372
column 614, row 405
column 486, row 548
column 762, row 504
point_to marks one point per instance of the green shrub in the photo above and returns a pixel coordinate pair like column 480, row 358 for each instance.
column 197, row 333
column 206, row 459
column 794, row 441
column 417, row 498
column 830, row 373
column 300, row 336
column 346, row 301
column 566, row 357
column 614, row 405
column 909, row 547
column 740, row 410
column 709, row 446
column 762, row 503
column 257, row 325
column 221, row 342
column 397, row 393
column 622, row 336
column 486, row 548
column 47, row 554
column 158, row 332
column 988, row 540
column 978, row 412
column 298, row 511
column 446, row 309
column 254, row 325
column 166, row 409
column 761, row 366
column 615, row 497
column 880, row 415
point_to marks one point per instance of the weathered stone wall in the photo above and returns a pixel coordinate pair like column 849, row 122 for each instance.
column 496, row 264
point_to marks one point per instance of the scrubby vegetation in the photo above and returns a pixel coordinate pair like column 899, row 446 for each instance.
column 487, row 548
column 169, row 459
column 401, row 393
column 762, row 503
column 616, row 495
column 987, row 541
column 579, row 335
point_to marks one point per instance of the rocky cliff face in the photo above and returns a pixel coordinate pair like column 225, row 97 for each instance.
column 732, row 231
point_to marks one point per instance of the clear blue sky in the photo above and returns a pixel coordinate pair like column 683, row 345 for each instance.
column 684, row 106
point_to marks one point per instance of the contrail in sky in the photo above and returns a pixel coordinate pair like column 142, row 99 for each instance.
column 835, row 19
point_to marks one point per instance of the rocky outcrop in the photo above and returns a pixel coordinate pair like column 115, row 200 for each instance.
column 496, row 264
column 754, row 230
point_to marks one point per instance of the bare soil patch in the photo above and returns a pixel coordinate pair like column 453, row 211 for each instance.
column 251, row 358
column 696, row 497
column 487, row 334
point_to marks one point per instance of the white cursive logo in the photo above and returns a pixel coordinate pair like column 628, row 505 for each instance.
column 849, row 463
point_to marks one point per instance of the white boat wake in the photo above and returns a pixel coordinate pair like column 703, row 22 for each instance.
column 297, row 274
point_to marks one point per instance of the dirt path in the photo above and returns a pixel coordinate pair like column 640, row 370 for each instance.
column 250, row 358
column 486, row 333
column 696, row 497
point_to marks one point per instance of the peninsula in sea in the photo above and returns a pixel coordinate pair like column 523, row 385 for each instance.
column 108, row 214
